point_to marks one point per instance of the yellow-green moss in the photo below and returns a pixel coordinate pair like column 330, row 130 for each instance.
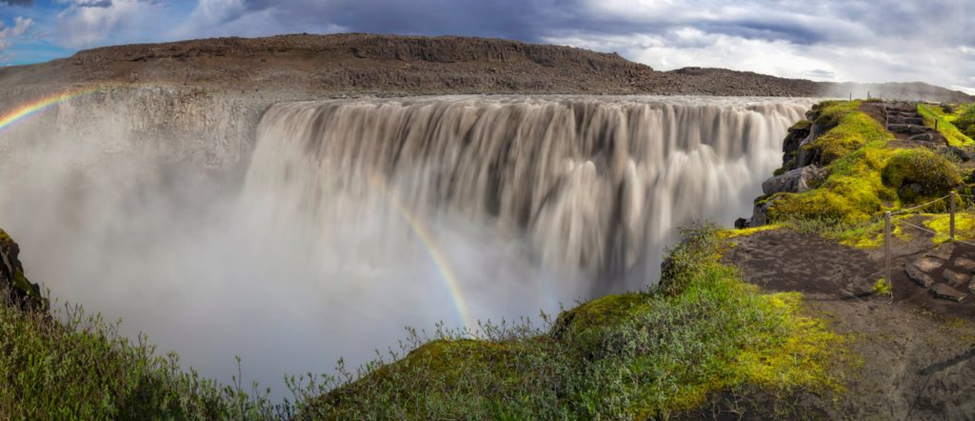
column 934, row 114
column 854, row 130
column 745, row 232
column 601, row 312
column 941, row 223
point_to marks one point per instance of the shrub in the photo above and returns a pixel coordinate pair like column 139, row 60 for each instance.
column 934, row 173
column 74, row 366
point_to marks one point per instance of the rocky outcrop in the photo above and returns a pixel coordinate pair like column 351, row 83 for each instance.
column 13, row 284
column 795, row 181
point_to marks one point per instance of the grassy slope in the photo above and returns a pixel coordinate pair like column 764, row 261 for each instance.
column 945, row 124
column 633, row 355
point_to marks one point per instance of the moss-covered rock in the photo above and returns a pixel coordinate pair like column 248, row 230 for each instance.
column 917, row 173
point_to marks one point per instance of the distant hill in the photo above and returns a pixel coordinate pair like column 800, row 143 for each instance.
column 420, row 65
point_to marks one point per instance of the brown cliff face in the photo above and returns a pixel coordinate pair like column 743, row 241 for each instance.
column 398, row 65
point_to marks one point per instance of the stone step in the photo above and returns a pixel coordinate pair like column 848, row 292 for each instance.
column 946, row 292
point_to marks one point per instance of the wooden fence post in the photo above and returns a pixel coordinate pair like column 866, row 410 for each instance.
column 887, row 245
column 952, row 215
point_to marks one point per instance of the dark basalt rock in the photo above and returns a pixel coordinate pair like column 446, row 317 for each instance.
column 13, row 284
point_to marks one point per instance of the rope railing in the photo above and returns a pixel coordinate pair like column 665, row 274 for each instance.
column 902, row 211
column 952, row 211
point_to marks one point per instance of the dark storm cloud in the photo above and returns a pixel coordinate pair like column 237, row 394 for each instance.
column 18, row 2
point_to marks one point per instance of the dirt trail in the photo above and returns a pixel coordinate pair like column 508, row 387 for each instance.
column 917, row 351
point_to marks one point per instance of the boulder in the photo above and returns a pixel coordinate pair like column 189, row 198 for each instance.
column 13, row 284
column 795, row 181
column 741, row 223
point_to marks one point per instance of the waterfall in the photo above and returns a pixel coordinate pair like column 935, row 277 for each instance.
column 595, row 185
column 350, row 219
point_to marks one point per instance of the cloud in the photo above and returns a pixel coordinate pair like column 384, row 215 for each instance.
column 89, row 23
column 7, row 33
column 884, row 40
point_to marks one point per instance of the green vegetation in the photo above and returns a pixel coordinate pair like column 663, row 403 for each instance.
column 636, row 355
column 883, row 287
column 934, row 173
column 945, row 122
column 72, row 366
column 867, row 176
column 941, row 224
column 851, row 129
column 964, row 119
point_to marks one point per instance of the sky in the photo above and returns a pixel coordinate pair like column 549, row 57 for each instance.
column 829, row 40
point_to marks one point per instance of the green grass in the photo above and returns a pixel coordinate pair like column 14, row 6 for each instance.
column 638, row 355
column 69, row 365
column 944, row 121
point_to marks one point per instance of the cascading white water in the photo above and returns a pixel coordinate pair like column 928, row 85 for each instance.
column 597, row 185
column 359, row 217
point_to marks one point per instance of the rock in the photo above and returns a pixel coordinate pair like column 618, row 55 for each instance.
column 13, row 283
column 795, row 181
column 959, row 153
column 956, row 279
column 971, row 286
column 946, row 292
column 760, row 211
column 918, row 275
column 922, row 137
column 943, row 252
column 928, row 264
column 741, row 223
column 965, row 263
column 899, row 128
column 790, row 147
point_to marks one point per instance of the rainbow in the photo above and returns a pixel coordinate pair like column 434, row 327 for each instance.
column 29, row 109
column 437, row 255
